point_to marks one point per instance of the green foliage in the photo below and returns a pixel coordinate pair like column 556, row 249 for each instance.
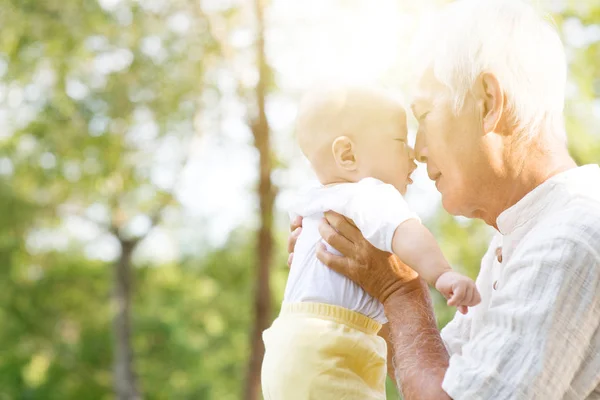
column 191, row 325
column 90, row 94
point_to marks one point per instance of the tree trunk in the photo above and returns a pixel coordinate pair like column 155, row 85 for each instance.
column 123, row 375
column 266, row 193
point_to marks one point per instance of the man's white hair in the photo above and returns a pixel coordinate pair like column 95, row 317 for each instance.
column 509, row 39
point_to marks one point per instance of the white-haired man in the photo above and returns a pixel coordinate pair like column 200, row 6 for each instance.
column 491, row 130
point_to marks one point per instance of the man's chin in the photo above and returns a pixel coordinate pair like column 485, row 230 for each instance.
column 450, row 205
column 453, row 207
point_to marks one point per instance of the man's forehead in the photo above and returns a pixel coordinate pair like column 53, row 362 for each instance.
column 427, row 88
column 419, row 101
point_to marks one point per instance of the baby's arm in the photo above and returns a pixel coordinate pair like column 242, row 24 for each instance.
column 386, row 221
column 417, row 247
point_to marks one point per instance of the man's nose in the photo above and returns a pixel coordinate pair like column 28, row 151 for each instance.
column 420, row 148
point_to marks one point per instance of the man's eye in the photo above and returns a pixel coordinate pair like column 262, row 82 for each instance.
column 423, row 116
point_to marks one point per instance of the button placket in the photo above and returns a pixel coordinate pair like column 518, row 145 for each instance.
column 499, row 259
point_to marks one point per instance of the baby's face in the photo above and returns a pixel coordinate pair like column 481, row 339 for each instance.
column 384, row 153
column 353, row 133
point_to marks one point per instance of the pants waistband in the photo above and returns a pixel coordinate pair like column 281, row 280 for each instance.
column 333, row 313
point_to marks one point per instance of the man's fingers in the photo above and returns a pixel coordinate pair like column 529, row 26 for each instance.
column 463, row 309
column 335, row 240
column 343, row 226
column 333, row 261
column 293, row 238
column 290, row 259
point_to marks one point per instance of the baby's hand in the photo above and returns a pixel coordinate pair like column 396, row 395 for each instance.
column 460, row 291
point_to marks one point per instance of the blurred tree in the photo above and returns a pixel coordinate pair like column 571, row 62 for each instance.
column 253, row 95
column 266, row 193
column 579, row 24
column 98, row 104
column 104, row 100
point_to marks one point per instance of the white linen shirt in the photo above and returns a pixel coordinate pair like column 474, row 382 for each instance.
column 536, row 332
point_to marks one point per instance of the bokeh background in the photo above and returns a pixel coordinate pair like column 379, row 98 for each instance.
column 146, row 162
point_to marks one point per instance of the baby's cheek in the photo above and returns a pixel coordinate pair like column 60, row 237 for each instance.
column 401, row 174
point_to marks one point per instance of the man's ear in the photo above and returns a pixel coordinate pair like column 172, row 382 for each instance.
column 344, row 153
column 490, row 100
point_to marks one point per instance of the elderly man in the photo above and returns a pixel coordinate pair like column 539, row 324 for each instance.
column 491, row 130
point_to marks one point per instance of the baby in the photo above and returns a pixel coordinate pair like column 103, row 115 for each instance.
column 324, row 344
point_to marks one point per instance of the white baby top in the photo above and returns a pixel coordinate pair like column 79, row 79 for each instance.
column 309, row 279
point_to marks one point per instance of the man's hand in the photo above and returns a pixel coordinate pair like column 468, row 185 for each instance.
column 296, row 229
column 379, row 273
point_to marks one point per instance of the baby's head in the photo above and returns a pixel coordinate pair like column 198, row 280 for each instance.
column 352, row 133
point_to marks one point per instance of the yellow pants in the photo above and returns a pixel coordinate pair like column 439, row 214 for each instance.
column 319, row 351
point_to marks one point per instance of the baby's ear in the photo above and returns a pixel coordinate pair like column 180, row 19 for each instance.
column 344, row 153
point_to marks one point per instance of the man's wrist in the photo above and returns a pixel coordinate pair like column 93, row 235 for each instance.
column 414, row 288
column 402, row 278
column 420, row 356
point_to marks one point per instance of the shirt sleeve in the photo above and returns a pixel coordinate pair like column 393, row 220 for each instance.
column 538, row 326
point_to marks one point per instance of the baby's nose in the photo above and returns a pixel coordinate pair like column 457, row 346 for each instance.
column 412, row 165
column 420, row 148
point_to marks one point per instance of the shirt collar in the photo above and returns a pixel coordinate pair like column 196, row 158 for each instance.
column 539, row 198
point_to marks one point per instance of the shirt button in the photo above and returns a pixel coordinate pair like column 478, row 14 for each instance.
column 499, row 254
